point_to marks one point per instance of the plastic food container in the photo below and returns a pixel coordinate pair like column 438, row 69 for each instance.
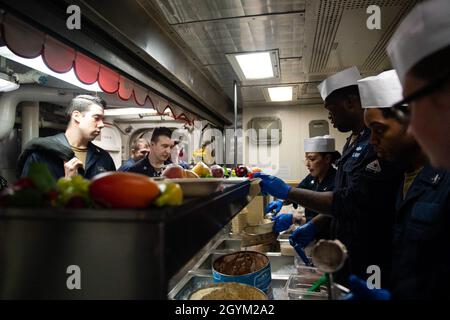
column 297, row 288
column 306, row 271
column 298, row 285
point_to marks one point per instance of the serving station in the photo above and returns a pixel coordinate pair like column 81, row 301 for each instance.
column 120, row 254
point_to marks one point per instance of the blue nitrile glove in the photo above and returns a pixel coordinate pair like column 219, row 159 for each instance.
column 282, row 222
column 274, row 206
column 303, row 235
column 273, row 185
column 302, row 254
column 360, row 291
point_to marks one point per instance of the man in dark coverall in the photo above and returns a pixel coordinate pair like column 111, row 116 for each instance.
column 71, row 153
column 362, row 204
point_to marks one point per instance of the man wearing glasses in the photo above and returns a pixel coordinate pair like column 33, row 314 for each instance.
column 420, row 53
column 421, row 259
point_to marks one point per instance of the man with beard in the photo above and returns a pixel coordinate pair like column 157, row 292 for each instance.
column 362, row 204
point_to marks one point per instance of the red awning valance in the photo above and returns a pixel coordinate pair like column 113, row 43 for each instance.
column 28, row 42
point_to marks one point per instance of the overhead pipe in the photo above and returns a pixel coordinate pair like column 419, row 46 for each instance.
column 235, row 125
column 10, row 100
column 30, row 122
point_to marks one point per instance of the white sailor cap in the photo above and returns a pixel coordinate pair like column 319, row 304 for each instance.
column 345, row 78
column 380, row 91
column 320, row 144
column 424, row 31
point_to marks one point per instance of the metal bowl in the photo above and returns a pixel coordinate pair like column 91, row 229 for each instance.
column 259, row 234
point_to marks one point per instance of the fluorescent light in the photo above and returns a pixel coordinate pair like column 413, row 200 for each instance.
column 255, row 65
column 6, row 84
column 38, row 64
column 129, row 111
column 280, row 93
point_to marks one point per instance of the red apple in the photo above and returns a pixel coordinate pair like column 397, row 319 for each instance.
column 173, row 171
column 217, row 171
column 241, row 171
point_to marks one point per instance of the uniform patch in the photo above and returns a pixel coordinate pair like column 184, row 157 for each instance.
column 374, row 166
column 435, row 180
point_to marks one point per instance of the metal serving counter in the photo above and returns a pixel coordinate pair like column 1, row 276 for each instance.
column 201, row 272
column 122, row 254
column 290, row 277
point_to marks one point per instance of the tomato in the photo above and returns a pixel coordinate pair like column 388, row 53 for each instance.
column 123, row 190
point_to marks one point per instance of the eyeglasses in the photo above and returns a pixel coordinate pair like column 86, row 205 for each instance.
column 431, row 87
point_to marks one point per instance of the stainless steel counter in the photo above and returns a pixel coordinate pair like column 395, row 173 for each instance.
column 201, row 272
column 121, row 254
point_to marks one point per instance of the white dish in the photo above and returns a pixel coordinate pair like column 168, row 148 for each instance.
column 199, row 187
column 193, row 187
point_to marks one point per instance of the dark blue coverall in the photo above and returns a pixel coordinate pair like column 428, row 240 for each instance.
column 421, row 256
column 54, row 150
column 363, row 208
column 311, row 183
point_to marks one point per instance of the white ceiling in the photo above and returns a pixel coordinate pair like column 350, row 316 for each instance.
column 314, row 38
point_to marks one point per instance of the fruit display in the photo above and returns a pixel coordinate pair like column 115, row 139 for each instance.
column 171, row 195
column 124, row 190
column 202, row 170
column 190, row 174
column 73, row 193
column 242, row 171
column 173, row 171
column 217, row 171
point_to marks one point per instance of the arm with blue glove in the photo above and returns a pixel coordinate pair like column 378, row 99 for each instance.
column 274, row 206
column 313, row 200
column 282, row 222
column 301, row 237
column 360, row 291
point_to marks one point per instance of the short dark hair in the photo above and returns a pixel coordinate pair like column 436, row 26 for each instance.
column 161, row 131
column 433, row 66
column 335, row 156
column 82, row 102
column 345, row 93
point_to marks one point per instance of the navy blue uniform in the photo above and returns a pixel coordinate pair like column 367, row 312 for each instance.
column 421, row 266
column 363, row 208
column 143, row 166
column 127, row 165
column 311, row 183
column 58, row 150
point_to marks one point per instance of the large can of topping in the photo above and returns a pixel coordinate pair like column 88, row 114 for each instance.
column 248, row 267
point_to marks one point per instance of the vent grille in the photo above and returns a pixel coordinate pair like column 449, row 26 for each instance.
column 330, row 14
column 378, row 54
column 363, row 4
